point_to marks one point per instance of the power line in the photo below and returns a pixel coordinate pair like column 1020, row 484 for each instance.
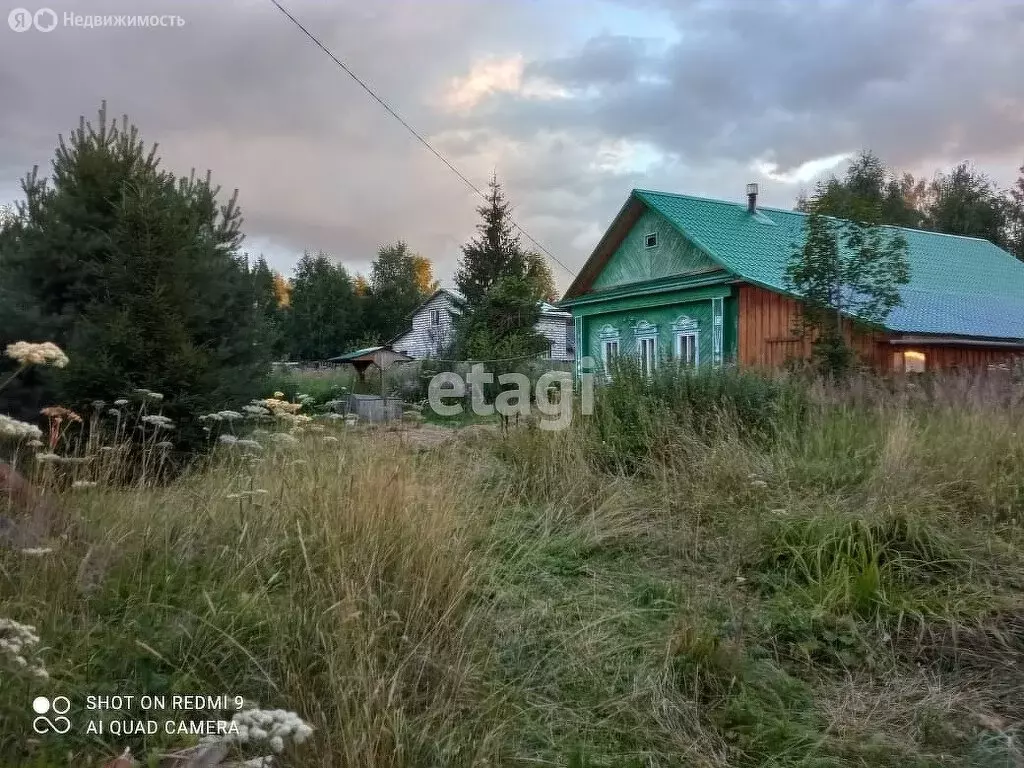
column 410, row 129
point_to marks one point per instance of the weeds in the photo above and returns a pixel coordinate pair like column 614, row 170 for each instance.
column 716, row 570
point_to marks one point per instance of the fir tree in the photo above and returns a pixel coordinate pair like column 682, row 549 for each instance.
column 494, row 253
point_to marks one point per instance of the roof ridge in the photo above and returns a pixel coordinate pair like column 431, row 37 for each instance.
column 776, row 209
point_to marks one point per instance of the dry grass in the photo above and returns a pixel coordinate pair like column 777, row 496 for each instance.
column 838, row 594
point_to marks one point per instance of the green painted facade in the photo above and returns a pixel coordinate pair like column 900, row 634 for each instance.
column 657, row 292
column 634, row 262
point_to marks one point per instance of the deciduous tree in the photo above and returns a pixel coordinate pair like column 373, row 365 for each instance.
column 966, row 202
column 845, row 268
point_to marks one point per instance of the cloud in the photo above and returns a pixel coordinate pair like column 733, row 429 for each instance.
column 491, row 76
column 803, row 173
column 572, row 104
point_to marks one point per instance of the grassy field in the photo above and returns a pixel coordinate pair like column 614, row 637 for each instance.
column 715, row 572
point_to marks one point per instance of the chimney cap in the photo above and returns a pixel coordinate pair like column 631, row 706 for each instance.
column 752, row 188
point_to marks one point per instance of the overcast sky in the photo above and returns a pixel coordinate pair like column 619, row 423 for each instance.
column 572, row 102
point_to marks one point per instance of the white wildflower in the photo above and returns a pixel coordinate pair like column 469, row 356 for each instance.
column 227, row 439
column 250, row 445
column 46, row 353
column 156, row 396
column 230, row 415
column 277, row 744
column 159, row 421
column 83, row 484
column 121, row 402
column 36, row 551
column 47, row 457
column 758, row 484
column 330, row 439
column 18, row 430
column 34, row 443
column 256, row 410
column 164, row 445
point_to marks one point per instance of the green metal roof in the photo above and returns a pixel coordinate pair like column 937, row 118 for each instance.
column 961, row 286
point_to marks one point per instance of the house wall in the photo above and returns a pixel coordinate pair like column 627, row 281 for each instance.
column 768, row 323
column 766, row 326
column 633, row 262
column 625, row 315
column 424, row 339
column 947, row 357
column 558, row 330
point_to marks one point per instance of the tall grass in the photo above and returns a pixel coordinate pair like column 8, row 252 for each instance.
column 713, row 570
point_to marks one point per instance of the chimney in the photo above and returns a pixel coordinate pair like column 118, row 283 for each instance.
column 752, row 198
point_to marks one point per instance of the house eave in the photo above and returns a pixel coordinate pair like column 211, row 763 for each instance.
column 648, row 287
column 923, row 340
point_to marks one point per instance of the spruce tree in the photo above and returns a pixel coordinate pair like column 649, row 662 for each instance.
column 494, row 253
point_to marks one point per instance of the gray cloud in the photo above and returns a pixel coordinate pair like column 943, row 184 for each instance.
column 688, row 106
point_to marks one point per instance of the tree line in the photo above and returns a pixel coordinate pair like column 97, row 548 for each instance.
column 323, row 310
column 139, row 275
column 960, row 201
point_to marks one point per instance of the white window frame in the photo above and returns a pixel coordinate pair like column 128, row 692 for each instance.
column 609, row 339
column 686, row 340
column 646, row 339
column 685, row 328
column 647, row 237
column 647, row 352
column 435, row 317
column 717, row 330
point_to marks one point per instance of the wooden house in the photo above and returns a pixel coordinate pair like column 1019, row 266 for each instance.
column 694, row 280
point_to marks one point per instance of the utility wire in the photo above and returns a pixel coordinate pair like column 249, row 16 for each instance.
column 410, row 129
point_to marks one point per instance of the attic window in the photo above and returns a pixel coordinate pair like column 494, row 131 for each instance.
column 651, row 240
